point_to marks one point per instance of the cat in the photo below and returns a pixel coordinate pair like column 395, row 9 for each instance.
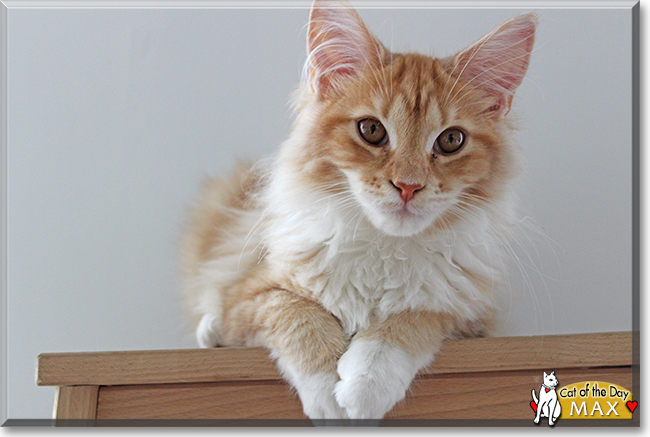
column 548, row 404
column 376, row 232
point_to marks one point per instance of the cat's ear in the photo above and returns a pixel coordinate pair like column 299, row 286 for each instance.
column 545, row 375
column 338, row 45
column 498, row 62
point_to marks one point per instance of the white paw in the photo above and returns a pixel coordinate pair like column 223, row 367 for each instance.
column 317, row 396
column 316, row 392
column 207, row 332
column 374, row 377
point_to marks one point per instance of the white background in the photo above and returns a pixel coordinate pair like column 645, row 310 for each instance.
column 114, row 116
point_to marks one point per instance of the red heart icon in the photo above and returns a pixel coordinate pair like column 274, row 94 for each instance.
column 632, row 405
column 548, row 390
column 534, row 405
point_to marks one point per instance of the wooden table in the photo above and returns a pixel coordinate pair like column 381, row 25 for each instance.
column 472, row 382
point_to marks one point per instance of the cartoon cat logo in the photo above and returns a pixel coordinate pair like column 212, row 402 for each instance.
column 548, row 404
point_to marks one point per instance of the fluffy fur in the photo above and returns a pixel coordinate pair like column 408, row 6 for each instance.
column 318, row 256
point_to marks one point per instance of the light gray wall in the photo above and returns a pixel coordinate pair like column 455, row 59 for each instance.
column 115, row 115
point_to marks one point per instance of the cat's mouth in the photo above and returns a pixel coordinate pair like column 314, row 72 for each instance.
column 403, row 211
column 397, row 218
column 411, row 210
column 400, row 219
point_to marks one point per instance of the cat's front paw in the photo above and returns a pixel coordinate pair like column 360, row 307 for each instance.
column 316, row 392
column 207, row 332
column 374, row 377
column 317, row 396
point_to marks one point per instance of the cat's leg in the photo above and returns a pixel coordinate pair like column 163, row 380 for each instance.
column 382, row 360
column 555, row 409
column 303, row 337
column 545, row 410
column 207, row 332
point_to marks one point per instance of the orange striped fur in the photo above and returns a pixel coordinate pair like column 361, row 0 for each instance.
column 351, row 261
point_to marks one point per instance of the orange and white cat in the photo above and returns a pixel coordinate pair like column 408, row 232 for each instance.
column 375, row 232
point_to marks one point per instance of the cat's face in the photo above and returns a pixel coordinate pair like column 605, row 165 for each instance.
column 418, row 141
column 550, row 380
column 409, row 150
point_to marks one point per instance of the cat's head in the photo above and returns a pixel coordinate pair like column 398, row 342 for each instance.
column 417, row 141
column 550, row 380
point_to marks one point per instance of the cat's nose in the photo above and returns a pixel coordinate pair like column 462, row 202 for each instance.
column 407, row 191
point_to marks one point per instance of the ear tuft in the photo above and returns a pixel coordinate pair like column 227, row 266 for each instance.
column 338, row 44
column 498, row 62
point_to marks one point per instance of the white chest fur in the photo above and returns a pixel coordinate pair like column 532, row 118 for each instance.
column 355, row 271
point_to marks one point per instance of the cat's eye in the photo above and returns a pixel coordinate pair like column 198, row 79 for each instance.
column 372, row 131
column 450, row 141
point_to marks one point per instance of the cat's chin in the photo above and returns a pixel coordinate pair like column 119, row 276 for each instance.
column 399, row 224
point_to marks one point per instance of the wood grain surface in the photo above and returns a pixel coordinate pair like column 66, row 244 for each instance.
column 503, row 395
column 76, row 402
column 479, row 379
column 254, row 364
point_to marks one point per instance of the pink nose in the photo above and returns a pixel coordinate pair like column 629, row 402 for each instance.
column 407, row 191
